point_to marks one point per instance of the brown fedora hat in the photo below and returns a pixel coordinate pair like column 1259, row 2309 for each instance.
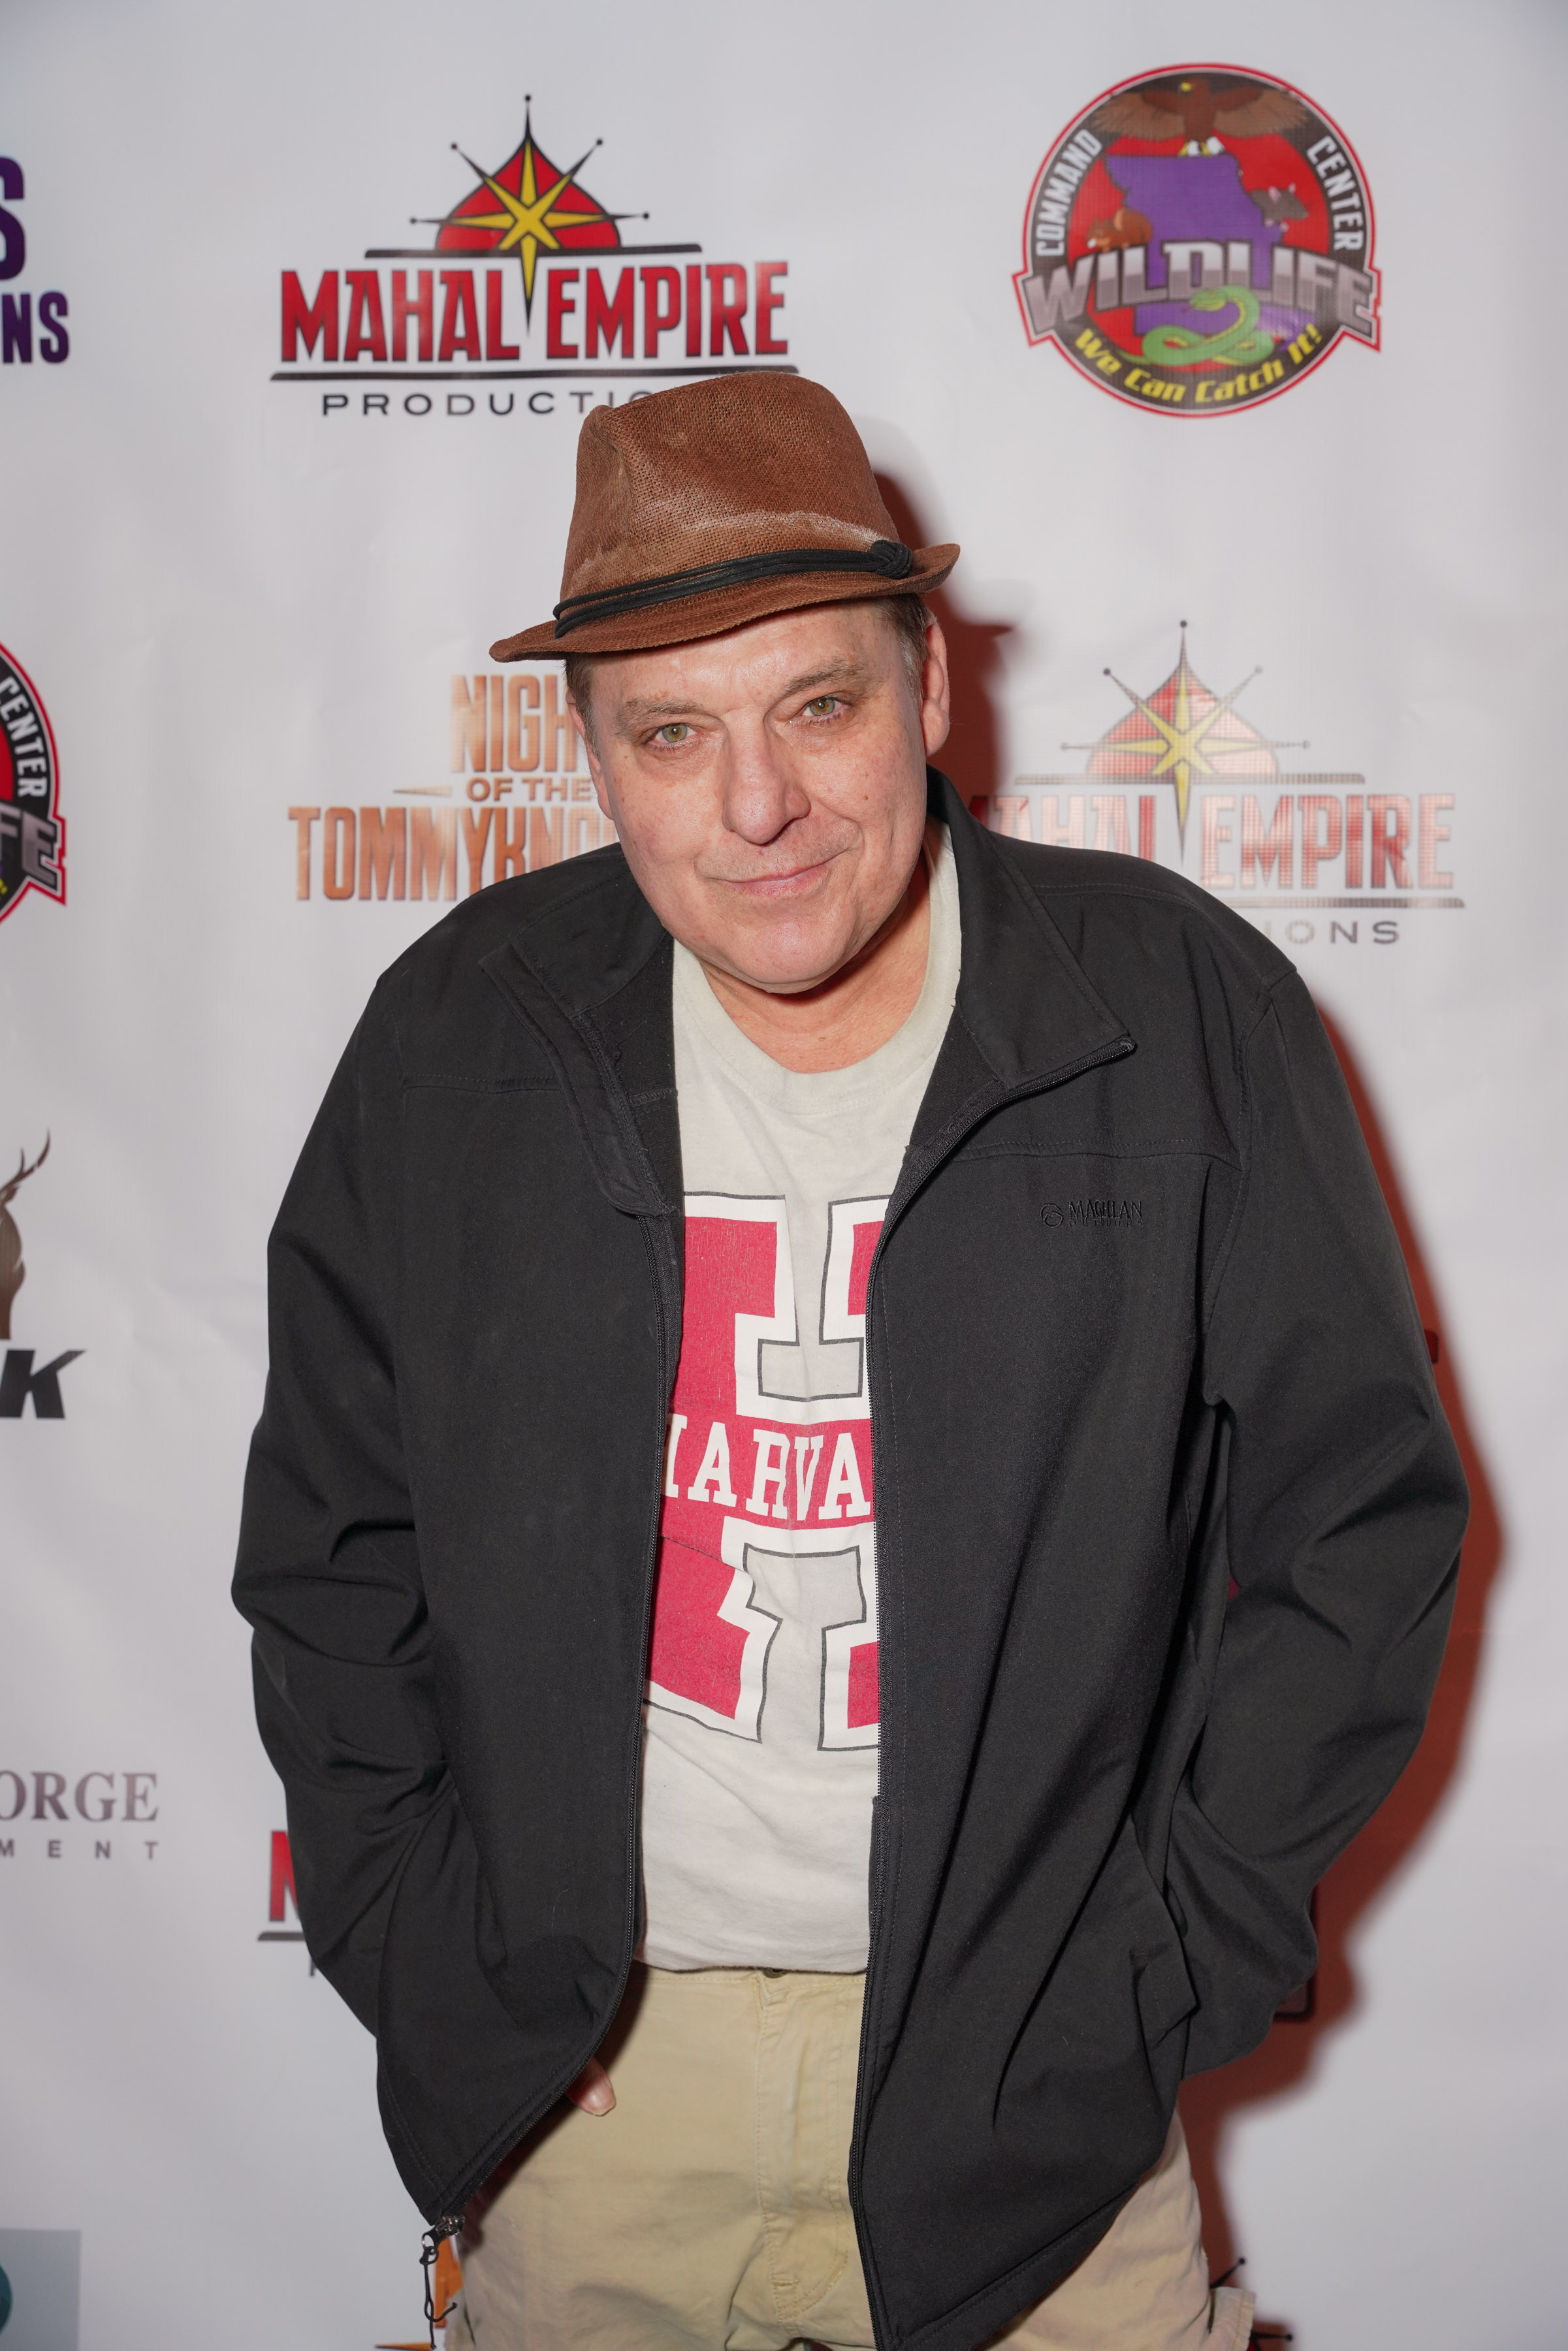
column 701, row 508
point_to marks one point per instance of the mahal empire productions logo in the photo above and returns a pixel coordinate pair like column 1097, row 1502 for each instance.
column 280, row 1898
column 32, row 834
column 1316, row 847
column 387, row 327
column 1199, row 239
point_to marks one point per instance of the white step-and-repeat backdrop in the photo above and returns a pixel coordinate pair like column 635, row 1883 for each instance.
column 1229, row 344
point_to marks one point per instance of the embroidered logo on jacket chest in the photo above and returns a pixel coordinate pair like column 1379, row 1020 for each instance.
column 1104, row 1214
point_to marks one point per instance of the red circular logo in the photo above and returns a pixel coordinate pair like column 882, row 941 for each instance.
column 1199, row 239
column 32, row 835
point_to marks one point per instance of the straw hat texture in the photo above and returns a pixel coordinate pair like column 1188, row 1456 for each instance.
column 716, row 504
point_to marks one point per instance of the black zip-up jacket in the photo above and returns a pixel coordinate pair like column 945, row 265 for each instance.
column 1167, row 1526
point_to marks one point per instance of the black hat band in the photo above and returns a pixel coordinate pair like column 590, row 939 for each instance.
column 887, row 559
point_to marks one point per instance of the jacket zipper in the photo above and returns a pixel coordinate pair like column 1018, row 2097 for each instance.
column 429, row 2245
column 882, row 1812
column 671, row 1363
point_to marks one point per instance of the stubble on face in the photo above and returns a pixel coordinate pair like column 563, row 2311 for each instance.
column 769, row 787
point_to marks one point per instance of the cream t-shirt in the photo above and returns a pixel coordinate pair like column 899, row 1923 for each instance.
column 760, row 1742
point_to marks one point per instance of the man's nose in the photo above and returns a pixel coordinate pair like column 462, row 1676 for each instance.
column 762, row 797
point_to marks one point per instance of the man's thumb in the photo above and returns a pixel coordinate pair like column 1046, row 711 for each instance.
column 591, row 2090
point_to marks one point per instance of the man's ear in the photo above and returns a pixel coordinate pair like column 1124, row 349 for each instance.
column 935, row 692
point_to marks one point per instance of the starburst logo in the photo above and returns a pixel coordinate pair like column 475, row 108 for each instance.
column 1277, row 839
column 1183, row 731
column 610, row 308
column 528, row 208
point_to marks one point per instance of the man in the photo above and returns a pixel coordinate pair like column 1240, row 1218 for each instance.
column 850, row 1506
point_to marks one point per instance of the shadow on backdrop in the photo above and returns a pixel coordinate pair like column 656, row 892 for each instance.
column 1210, row 2101
column 972, row 753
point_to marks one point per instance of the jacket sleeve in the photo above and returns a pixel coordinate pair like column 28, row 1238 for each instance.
column 328, row 1571
column 1342, row 1504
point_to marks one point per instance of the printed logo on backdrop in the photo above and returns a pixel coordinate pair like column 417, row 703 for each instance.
column 32, row 831
column 1183, row 777
column 77, row 1816
column 40, row 2291
column 512, row 796
column 23, row 1380
column 1199, row 239
column 31, row 325
column 281, row 1904
column 527, row 266
column 282, row 1908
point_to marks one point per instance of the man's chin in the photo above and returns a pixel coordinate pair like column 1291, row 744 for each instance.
column 777, row 970
column 777, row 983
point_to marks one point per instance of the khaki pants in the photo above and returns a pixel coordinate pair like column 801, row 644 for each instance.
column 709, row 2210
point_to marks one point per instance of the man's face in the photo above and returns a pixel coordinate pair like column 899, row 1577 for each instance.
column 768, row 786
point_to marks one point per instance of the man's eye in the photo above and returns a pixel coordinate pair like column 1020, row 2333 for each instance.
column 823, row 706
column 677, row 731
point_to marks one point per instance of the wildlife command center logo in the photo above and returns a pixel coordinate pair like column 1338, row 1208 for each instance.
column 1199, row 239
column 32, row 834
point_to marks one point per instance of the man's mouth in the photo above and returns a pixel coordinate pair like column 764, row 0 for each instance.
column 794, row 881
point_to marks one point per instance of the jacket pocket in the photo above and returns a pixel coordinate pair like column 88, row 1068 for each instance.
column 459, row 2079
column 1117, row 1991
column 1038, row 2132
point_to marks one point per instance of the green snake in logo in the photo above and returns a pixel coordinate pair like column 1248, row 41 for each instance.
column 1243, row 342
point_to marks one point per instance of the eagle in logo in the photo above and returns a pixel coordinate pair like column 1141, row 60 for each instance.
column 1197, row 108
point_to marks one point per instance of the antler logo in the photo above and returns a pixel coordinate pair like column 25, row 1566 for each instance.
column 19, row 1380
column 13, row 1272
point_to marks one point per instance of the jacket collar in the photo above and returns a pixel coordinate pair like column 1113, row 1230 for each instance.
column 1026, row 1011
column 591, row 971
